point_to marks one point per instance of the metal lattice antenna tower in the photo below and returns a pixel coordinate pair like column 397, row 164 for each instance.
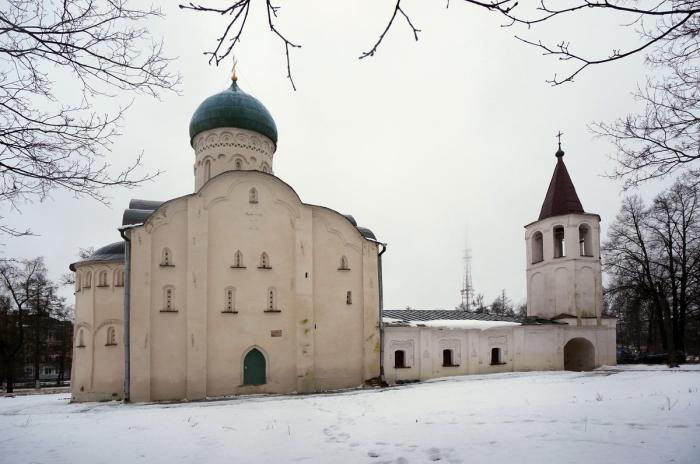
column 467, row 287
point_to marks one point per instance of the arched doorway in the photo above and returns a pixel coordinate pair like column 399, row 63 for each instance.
column 254, row 368
column 579, row 355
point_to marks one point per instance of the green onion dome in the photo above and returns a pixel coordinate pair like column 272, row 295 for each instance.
column 233, row 108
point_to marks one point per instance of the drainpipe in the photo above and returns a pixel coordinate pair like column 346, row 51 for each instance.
column 381, row 312
column 127, row 302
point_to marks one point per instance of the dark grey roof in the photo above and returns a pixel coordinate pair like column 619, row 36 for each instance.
column 112, row 252
column 443, row 314
column 139, row 211
column 351, row 219
column 366, row 233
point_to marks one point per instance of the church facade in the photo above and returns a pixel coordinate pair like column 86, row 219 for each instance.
column 237, row 288
column 240, row 287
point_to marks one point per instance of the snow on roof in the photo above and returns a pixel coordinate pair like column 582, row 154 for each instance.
column 453, row 324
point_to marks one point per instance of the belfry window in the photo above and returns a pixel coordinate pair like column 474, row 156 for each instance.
column 400, row 359
column 537, row 248
column 559, row 242
column 253, row 195
column 238, row 260
column 344, row 266
column 111, row 336
column 88, row 280
column 584, row 240
column 167, row 258
column 264, row 261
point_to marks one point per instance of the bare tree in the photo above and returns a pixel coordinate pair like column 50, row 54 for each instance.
column 16, row 280
column 101, row 47
column 655, row 143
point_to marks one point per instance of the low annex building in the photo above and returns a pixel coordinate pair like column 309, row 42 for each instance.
column 564, row 329
column 238, row 287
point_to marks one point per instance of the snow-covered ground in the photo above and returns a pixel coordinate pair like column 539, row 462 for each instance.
column 633, row 415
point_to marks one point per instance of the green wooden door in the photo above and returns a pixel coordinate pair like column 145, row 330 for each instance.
column 254, row 368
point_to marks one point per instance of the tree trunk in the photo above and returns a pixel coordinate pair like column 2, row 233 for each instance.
column 10, row 374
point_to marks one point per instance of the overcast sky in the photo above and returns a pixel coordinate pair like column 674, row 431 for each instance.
column 429, row 143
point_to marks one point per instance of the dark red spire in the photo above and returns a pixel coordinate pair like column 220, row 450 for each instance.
column 561, row 195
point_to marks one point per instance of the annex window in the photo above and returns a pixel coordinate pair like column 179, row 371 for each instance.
column 496, row 356
column 344, row 265
column 118, row 278
column 238, row 164
column 537, row 248
column 88, row 280
column 264, row 261
column 559, row 242
column 238, row 259
column 169, row 299
column 348, row 297
column 253, row 195
column 230, row 300
column 271, row 300
column 81, row 338
column 400, row 359
column 207, row 170
column 167, row 258
column 584, row 240
column 111, row 336
column 447, row 358
column 102, row 279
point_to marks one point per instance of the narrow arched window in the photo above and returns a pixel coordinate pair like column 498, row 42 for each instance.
column 253, row 195
column 238, row 259
column 230, row 300
column 207, row 170
column 344, row 266
column 559, row 242
column 102, row 279
column 265, row 261
column 111, row 336
column 265, row 168
column 496, row 356
column 118, row 278
column 169, row 299
column 584, row 240
column 88, row 280
column 537, row 248
column 238, row 164
column 348, row 297
column 77, row 281
column 399, row 358
column 81, row 338
column 271, row 299
column 167, row 258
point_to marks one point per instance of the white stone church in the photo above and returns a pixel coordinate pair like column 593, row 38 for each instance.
column 240, row 287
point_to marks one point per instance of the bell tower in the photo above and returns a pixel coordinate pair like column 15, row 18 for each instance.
column 563, row 254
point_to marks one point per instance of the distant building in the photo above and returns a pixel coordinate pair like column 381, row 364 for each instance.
column 564, row 328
